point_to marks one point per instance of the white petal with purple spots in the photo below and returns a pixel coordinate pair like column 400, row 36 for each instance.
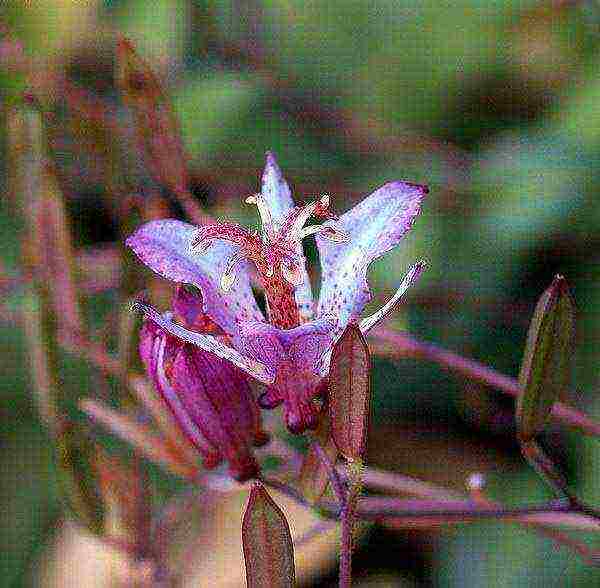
column 375, row 225
column 164, row 246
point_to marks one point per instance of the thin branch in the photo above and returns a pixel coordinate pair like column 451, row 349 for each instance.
column 346, row 545
column 387, row 343
column 392, row 482
column 317, row 530
column 562, row 539
column 371, row 508
column 78, row 343
column 554, row 513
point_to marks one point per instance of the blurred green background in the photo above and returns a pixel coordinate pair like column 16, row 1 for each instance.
column 494, row 104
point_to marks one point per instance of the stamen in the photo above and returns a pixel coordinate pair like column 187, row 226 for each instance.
column 299, row 219
column 229, row 275
column 265, row 214
column 292, row 273
column 322, row 209
column 230, row 232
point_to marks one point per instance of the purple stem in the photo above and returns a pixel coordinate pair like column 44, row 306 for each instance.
column 402, row 344
column 373, row 508
column 345, row 579
column 334, row 476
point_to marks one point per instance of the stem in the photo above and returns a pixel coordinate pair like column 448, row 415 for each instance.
column 334, row 476
column 558, row 537
column 547, row 470
column 372, row 508
column 346, row 546
column 403, row 345
column 355, row 470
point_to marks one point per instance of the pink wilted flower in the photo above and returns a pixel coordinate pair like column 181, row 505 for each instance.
column 209, row 397
column 290, row 350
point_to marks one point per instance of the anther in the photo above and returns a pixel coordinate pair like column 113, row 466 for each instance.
column 229, row 275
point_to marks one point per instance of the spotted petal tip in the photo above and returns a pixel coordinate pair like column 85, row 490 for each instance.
column 375, row 226
column 413, row 274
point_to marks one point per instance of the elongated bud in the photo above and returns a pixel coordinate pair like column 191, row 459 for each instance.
column 267, row 542
column 349, row 393
column 546, row 363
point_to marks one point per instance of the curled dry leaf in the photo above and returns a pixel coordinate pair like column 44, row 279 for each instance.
column 314, row 476
column 545, row 370
column 77, row 465
column 157, row 128
column 349, row 393
column 156, row 125
column 267, row 543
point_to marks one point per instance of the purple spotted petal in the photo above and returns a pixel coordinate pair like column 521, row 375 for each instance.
column 278, row 197
column 306, row 344
column 303, row 346
column 261, row 342
column 276, row 192
column 375, row 226
column 164, row 246
column 413, row 274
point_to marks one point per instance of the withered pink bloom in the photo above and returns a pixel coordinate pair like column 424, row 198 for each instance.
column 209, row 397
column 290, row 350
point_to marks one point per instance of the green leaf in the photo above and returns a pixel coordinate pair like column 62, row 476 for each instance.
column 267, row 542
column 349, row 393
column 545, row 370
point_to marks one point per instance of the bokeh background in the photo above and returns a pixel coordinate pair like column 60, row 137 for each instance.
column 494, row 104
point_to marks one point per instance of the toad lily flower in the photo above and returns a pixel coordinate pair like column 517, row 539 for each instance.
column 291, row 352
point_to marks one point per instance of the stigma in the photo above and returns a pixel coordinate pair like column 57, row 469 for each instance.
column 277, row 249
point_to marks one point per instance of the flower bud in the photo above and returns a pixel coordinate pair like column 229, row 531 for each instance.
column 209, row 397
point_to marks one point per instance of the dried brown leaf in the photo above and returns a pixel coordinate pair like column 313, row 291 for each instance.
column 79, row 477
column 157, row 128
